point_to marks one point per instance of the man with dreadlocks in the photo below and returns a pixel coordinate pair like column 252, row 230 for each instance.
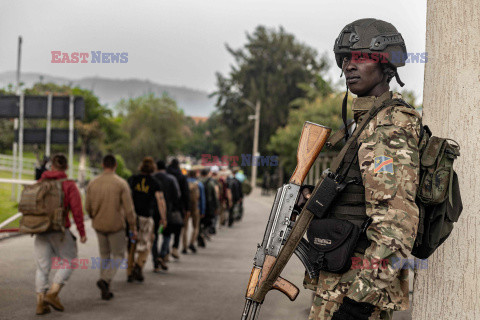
column 383, row 164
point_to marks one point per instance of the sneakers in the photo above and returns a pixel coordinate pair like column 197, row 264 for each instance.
column 162, row 263
column 192, row 248
column 175, row 253
column 42, row 307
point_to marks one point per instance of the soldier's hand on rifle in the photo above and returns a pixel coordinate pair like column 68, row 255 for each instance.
column 305, row 192
column 83, row 239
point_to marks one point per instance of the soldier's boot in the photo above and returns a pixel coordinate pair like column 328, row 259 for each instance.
column 51, row 297
column 42, row 307
column 175, row 253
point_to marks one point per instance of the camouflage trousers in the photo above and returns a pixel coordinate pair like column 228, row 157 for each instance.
column 324, row 310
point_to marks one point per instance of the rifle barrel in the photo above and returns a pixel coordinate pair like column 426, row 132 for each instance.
column 246, row 310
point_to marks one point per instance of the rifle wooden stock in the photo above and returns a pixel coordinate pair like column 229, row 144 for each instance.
column 312, row 140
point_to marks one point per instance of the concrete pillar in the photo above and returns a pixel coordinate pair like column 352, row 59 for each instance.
column 450, row 288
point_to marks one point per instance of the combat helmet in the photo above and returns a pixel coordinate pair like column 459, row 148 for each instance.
column 371, row 35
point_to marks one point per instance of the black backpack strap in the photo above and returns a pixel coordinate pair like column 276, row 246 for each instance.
column 337, row 162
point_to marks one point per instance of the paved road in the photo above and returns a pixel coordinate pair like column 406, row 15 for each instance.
column 209, row 285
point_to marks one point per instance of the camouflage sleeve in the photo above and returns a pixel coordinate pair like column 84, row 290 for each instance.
column 389, row 162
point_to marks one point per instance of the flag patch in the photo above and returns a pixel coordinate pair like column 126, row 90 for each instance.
column 383, row 164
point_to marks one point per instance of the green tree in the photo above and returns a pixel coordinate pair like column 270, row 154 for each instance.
column 153, row 126
column 268, row 68
column 122, row 169
column 208, row 137
column 325, row 111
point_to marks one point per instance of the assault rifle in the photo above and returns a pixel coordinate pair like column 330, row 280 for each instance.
column 285, row 228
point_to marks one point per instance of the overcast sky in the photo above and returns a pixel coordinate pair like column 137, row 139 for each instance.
column 180, row 42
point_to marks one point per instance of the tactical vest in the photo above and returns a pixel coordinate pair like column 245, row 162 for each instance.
column 350, row 204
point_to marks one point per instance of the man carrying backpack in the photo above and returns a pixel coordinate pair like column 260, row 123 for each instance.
column 57, row 244
column 109, row 202
column 211, row 200
column 381, row 169
column 235, row 187
column 197, row 200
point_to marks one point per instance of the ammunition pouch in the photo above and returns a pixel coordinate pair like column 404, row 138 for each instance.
column 331, row 245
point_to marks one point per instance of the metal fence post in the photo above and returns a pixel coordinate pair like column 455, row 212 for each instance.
column 49, row 125
column 20, row 141
column 70, row 137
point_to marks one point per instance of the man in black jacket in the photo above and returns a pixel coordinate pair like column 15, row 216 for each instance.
column 172, row 199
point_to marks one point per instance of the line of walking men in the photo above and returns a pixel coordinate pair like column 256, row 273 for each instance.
column 130, row 216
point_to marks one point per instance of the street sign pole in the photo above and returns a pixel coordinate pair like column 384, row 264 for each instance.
column 70, row 137
column 14, row 159
column 49, row 125
column 15, row 121
column 255, row 144
column 20, row 141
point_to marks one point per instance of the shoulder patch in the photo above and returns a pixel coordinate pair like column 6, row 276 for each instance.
column 383, row 164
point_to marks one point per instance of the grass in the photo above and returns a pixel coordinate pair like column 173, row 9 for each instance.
column 7, row 206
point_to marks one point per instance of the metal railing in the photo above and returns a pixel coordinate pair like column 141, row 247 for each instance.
column 7, row 164
column 324, row 161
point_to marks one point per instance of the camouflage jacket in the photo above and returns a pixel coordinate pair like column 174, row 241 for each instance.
column 389, row 164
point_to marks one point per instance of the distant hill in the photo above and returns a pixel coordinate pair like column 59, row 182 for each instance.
column 110, row 91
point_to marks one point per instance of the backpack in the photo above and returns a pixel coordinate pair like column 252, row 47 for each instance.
column 438, row 196
column 42, row 207
column 194, row 192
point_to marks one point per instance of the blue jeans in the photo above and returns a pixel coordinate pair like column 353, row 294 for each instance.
column 165, row 245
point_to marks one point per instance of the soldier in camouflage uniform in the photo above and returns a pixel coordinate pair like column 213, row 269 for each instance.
column 388, row 158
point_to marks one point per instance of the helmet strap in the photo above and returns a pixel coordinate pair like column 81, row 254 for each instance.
column 344, row 113
column 397, row 77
